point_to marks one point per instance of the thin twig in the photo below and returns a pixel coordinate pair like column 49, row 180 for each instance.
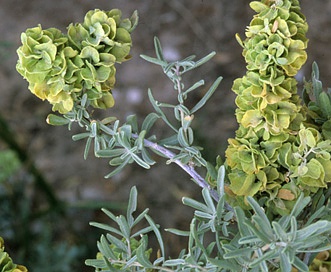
column 307, row 258
column 188, row 169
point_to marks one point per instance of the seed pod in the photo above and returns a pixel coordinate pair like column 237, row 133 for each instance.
column 269, row 156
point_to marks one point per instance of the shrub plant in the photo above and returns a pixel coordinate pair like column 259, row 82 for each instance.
column 267, row 206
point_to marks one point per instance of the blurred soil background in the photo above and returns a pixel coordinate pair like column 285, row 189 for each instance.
column 185, row 27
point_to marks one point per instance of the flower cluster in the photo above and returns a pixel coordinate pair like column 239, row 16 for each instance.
column 273, row 154
column 62, row 67
column 6, row 263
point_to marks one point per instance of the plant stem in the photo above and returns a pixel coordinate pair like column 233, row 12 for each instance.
column 307, row 258
column 179, row 89
column 188, row 169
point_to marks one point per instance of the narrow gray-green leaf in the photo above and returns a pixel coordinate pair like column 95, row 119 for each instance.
column 300, row 265
column 174, row 262
column 190, row 135
column 117, row 242
column 119, row 160
column 132, row 205
column 105, row 249
column 285, row 265
column 157, row 233
column 270, row 255
column 182, row 138
column 204, row 59
column 105, row 227
column 316, row 250
column 194, row 86
column 153, row 60
column 141, row 232
column 110, row 153
column 124, row 226
column 134, row 19
column 140, row 161
column 220, row 180
column 240, row 215
column 141, row 254
column 158, row 261
column 315, row 70
column 106, row 129
column 158, row 49
column 140, row 217
column 259, row 232
column 240, row 252
column 203, row 215
column 159, row 111
column 178, row 232
column 109, row 214
column 208, row 200
column 118, row 169
column 94, row 129
column 87, row 147
column 197, row 239
column 129, row 263
column 195, row 204
column 149, row 121
column 80, row 136
column 313, row 229
column 56, row 120
column 281, row 234
column 207, row 95
column 260, row 212
column 299, row 205
column 98, row 264
column 172, row 140
column 294, row 228
column 146, row 157
column 249, row 239
column 211, row 170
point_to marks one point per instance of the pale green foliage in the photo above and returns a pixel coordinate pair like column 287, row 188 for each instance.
column 122, row 248
column 252, row 244
column 318, row 103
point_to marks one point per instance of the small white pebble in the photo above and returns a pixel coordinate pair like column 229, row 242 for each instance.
column 171, row 54
column 134, row 96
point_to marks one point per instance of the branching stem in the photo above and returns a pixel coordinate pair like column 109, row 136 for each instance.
column 188, row 169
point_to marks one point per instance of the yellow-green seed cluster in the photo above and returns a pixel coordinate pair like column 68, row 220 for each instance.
column 322, row 262
column 273, row 155
column 62, row 67
column 6, row 263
